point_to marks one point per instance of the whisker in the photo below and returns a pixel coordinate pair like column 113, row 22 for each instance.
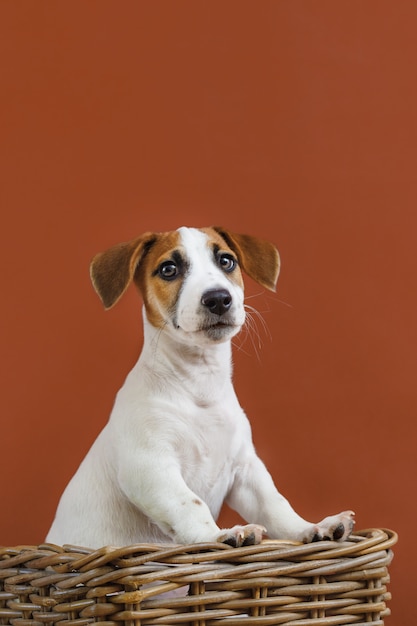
column 254, row 313
column 238, row 344
column 268, row 297
column 254, row 295
column 290, row 306
column 254, row 321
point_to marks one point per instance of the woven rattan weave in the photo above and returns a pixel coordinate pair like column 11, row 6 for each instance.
column 318, row 584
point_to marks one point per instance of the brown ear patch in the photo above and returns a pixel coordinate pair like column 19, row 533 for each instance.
column 258, row 258
column 112, row 271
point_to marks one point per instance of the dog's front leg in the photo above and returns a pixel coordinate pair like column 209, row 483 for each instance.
column 159, row 491
column 257, row 499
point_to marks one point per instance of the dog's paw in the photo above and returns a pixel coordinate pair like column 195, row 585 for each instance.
column 238, row 536
column 333, row 528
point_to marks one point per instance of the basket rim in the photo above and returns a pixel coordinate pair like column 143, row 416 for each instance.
column 69, row 557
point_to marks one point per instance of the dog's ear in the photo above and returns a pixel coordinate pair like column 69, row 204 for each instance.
column 113, row 270
column 258, row 258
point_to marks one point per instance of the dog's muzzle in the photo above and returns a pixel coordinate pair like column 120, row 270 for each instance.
column 220, row 320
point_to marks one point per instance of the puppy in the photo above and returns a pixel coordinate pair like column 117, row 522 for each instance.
column 177, row 444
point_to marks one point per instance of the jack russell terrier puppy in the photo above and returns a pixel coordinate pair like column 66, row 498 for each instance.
column 178, row 444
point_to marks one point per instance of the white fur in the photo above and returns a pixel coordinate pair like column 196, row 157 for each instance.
column 177, row 444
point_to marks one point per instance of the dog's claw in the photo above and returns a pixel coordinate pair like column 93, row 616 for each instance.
column 333, row 528
column 238, row 536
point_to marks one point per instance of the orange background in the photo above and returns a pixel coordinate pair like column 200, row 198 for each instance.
column 293, row 121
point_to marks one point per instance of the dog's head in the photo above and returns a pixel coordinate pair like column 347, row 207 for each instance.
column 190, row 279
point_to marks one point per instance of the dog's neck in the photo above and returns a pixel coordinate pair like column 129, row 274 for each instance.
column 195, row 368
column 161, row 348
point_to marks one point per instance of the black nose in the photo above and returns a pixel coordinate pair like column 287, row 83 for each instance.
column 217, row 300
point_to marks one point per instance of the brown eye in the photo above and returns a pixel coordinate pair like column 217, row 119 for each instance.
column 168, row 270
column 227, row 262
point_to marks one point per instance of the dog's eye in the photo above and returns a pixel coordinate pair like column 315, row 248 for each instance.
column 168, row 270
column 227, row 262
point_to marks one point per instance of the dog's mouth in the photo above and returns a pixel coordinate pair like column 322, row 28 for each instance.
column 216, row 331
column 215, row 328
column 219, row 329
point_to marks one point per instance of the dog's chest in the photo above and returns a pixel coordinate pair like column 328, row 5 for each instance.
column 211, row 438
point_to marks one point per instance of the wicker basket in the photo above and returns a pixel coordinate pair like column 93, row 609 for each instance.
column 318, row 584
